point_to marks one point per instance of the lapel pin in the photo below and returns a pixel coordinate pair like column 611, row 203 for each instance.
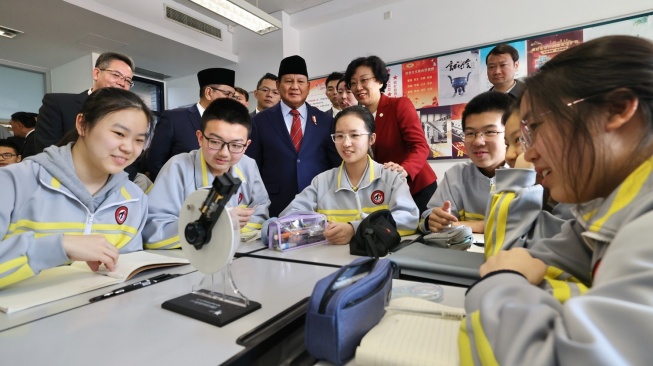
column 314, row 121
column 380, row 114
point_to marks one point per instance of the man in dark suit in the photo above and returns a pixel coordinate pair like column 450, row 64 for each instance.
column 502, row 65
column 331, row 84
column 266, row 93
column 291, row 141
column 175, row 131
column 59, row 111
column 22, row 124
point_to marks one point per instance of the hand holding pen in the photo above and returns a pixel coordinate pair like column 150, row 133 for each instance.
column 135, row 286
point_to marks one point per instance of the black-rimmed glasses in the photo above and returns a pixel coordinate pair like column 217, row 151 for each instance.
column 215, row 144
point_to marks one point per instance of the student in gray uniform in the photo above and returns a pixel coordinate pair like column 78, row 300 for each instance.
column 591, row 140
column 358, row 187
column 519, row 211
column 75, row 202
column 461, row 198
column 223, row 139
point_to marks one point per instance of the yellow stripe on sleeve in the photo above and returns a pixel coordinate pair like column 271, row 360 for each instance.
column 464, row 346
column 483, row 347
column 23, row 272
column 502, row 221
column 164, row 243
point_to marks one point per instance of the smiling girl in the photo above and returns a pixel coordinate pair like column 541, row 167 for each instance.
column 358, row 187
column 75, row 202
column 584, row 296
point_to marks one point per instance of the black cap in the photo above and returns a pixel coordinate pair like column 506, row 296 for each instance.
column 292, row 65
column 216, row 75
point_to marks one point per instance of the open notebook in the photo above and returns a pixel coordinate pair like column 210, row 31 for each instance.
column 65, row 281
column 412, row 338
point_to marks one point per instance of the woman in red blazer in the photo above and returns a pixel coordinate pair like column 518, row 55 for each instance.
column 400, row 141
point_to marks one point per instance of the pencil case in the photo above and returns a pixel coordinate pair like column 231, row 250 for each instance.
column 455, row 237
column 296, row 231
column 344, row 306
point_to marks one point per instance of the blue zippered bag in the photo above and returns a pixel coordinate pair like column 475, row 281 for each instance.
column 345, row 305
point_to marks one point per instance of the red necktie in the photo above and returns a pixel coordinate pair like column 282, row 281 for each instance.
column 296, row 129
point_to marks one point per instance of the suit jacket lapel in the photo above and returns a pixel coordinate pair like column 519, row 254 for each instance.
column 194, row 117
column 382, row 114
column 278, row 124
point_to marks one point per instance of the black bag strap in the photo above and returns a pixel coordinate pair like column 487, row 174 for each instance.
column 370, row 248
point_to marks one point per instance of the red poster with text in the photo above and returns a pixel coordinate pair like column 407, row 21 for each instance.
column 420, row 82
column 542, row 49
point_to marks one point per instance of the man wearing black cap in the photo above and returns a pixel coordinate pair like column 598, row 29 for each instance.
column 291, row 141
column 175, row 131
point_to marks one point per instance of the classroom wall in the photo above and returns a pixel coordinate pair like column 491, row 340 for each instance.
column 74, row 76
column 423, row 27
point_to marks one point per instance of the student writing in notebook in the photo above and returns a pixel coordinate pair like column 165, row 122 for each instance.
column 358, row 187
column 223, row 139
column 75, row 202
column 587, row 127
column 519, row 211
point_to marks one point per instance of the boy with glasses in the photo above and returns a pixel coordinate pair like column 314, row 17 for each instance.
column 175, row 131
column 8, row 153
column 223, row 139
column 462, row 196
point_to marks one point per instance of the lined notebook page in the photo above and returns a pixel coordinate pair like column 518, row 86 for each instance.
column 412, row 339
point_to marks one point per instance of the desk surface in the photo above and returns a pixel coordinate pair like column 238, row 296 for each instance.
column 133, row 328
column 321, row 254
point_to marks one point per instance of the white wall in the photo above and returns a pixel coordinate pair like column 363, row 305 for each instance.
column 74, row 76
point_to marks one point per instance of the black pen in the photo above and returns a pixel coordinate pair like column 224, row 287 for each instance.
column 134, row 286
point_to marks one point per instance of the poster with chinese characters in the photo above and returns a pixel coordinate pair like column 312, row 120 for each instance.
column 436, row 124
column 420, row 82
column 394, row 87
column 522, row 67
column 317, row 95
column 542, row 49
column 458, row 77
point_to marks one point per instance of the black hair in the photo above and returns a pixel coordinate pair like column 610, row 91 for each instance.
column 227, row 110
column 10, row 144
column 105, row 101
column 267, row 76
column 514, row 107
column 489, row 101
column 604, row 73
column 28, row 119
column 333, row 76
column 503, row 49
column 342, row 80
column 373, row 62
column 359, row 111
column 243, row 92
column 104, row 60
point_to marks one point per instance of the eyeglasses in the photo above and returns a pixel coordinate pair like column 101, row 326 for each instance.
column 215, row 144
column 274, row 92
column 117, row 75
column 339, row 138
column 486, row 135
column 363, row 82
column 7, row 156
column 227, row 93
column 528, row 128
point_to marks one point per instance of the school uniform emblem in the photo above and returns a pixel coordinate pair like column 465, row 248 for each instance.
column 240, row 197
column 377, row 197
column 121, row 214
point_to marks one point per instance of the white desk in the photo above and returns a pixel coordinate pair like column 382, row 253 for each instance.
column 321, row 254
column 250, row 246
column 133, row 329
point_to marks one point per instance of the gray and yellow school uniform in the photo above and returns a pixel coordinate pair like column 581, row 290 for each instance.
column 43, row 199
column 515, row 214
column 468, row 190
column 607, row 248
column 331, row 193
column 182, row 175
